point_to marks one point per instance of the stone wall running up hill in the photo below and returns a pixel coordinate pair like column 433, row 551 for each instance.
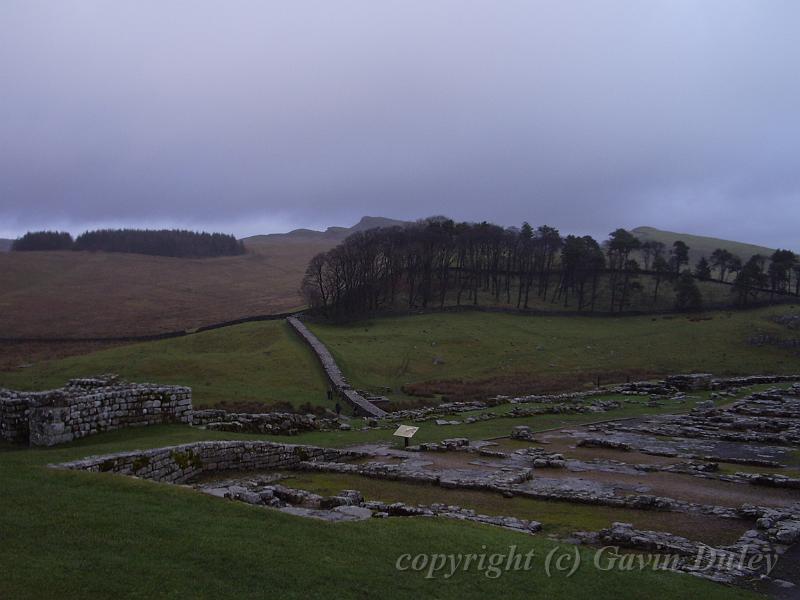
column 361, row 405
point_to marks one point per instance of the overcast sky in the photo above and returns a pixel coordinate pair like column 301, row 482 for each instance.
column 253, row 117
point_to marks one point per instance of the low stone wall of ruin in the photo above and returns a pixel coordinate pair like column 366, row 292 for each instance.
column 14, row 426
column 88, row 406
column 179, row 464
column 361, row 405
column 723, row 383
column 274, row 423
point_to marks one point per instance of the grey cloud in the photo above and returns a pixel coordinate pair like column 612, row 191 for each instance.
column 256, row 116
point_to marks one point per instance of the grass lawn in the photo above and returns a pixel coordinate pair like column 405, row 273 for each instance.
column 79, row 535
column 521, row 352
column 254, row 362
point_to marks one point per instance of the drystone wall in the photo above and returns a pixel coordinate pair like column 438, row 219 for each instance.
column 361, row 405
column 179, row 464
column 14, row 426
column 88, row 406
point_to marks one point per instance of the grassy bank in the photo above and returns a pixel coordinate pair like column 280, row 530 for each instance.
column 457, row 355
column 512, row 353
column 262, row 362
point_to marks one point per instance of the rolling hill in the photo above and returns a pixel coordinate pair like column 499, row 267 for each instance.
column 99, row 294
column 263, row 362
column 83, row 294
column 333, row 235
column 5, row 245
column 700, row 245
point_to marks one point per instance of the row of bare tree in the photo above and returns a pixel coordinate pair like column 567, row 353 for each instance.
column 436, row 262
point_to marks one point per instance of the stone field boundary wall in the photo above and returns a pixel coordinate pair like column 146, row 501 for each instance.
column 179, row 464
column 88, row 406
column 361, row 405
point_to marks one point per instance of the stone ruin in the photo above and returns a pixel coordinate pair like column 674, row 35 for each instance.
column 692, row 382
column 88, row 406
column 180, row 464
column 532, row 472
column 93, row 405
column 274, row 423
column 190, row 463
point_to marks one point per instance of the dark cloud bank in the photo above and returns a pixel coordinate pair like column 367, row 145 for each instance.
column 263, row 116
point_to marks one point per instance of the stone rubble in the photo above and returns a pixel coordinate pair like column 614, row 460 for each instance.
column 776, row 530
column 604, row 443
column 597, row 406
column 254, row 491
column 522, row 432
column 430, row 412
column 771, row 417
column 275, row 423
column 443, row 446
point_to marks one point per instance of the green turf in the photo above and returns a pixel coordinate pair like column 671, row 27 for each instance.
column 254, row 362
column 266, row 362
column 81, row 535
column 701, row 245
column 394, row 351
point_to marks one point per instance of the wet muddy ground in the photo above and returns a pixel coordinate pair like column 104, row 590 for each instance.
column 596, row 470
column 559, row 518
column 672, row 485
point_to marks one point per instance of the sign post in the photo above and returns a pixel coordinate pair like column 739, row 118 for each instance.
column 406, row 432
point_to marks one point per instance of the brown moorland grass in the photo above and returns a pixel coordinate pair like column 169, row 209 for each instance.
column 82, row 294
column 23, row 355
column 463, row 390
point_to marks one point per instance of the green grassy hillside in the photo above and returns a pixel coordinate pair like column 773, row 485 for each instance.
column 700, row 245
column 255, row 362
column 514, row 354
column 459, row 355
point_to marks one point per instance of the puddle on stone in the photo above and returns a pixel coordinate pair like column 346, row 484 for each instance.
column 566, row 445
column 673, row 485
column 430, row 460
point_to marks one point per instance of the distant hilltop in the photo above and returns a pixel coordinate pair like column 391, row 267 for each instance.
column 331, row 234
column 700, row 245
column 5, row 245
